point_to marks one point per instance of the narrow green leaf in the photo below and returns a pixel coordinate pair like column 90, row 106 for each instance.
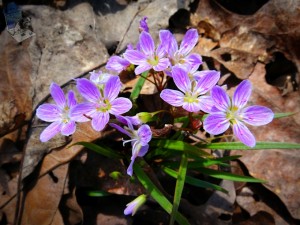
column 178, row 145
column 194, row 181
column 156, row 194
column 281, row 115
column 138, row 87
column 101, row 150
column 241, row 146
column 229, row 176
column 98, row 193
column 179, row 186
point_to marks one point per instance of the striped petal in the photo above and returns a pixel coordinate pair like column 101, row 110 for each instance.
column 220, row 97
column 120, row 105
column 48, row 112
column 58, row 95
column 146, row 43
column 173, row 97
column 242, row 94
column 50, row 131
column 243, row 134
column 88, row 90
column 257, row 115
column 181, row 78
column 100, row 120
column 189, row 41
column 216, row 123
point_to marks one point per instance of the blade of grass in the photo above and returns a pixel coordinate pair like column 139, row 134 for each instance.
column 101, row 150
column 194, row 181
column 229, row 176
column 241, row 146
column 178, row 145
column 281, row 115
column 156, row 194
column 138, row 87
column 179, row 186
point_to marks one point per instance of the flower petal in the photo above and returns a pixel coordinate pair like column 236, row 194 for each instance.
column 207, row 82
column 143, row 150
column 216, row 123
column 146, row 43
column 194, row 60
column 50, row 131
column 112, row 88
column 100, row 120
column 122, row 130
column 88, row 90
column 58, row 95
column 191, row 106
column 173, row 97
column 80, row 112
column 181, row 78
column 48, row 112
column 130, row 169
column 242, row 94
column 189, row 41
column 168, row 41
column 257, row 115
column 71, row 99
column 145, row 134
column 68, row 128
column 117, row 63
column 120, row 105
column 206, row 103
column 135, row 57
column 142, row 68
column 243, row 134
column 163, row 64
column 220, row 97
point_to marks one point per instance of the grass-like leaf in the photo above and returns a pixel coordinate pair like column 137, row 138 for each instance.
column 229, row 176
column 179, row 186
column 194, row 181
column 156, row 194
column 138, row 87
column 177, row 145
column 241, row 146
column 281, row 115
column 101, row 150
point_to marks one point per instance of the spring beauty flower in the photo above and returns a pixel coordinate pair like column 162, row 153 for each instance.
column 143, row 25
column 192, row 92
column 134, row 205
column 182, row 55
column 233, row 112
column 146, row 57
column 99, row 78
column 117, row 64
column 139, row 139
column 58, row 114
column 100, row 103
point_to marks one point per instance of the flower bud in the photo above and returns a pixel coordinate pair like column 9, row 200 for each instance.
column 133, row 206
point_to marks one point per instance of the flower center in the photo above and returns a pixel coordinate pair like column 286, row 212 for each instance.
column 65, row 115
column 153, row 61
column 189, row 98
column 104, row 106
column 232, row 114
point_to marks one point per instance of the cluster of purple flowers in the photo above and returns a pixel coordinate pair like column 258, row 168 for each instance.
column 196, row 91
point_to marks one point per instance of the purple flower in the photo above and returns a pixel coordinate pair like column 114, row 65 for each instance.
column 191, row 95
column 134, row 205
column 58, row 114
column 144, row 25
column 139, row 139
column 182, row 55
column 147, row 57
column 117, row 64
column 233, row 112
column 99, row 78
column 99, row 103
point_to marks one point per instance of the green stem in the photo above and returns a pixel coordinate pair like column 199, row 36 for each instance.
column 179, row 186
